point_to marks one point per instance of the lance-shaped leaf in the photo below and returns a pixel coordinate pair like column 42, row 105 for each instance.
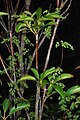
column 27, row 77
column 73, row 90
column 3, row 13
column 63, row 76
column 25, row 18
column 59, row 90
column 6, row 104
column 19, row 26
column 27, row 12
column 39, row 12
column 57, row 16
column 47, row 18
column 19, row 107
column 35, row 72
column 47, row 72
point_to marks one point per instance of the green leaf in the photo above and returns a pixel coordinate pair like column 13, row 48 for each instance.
column 19, row 26
column 63, row 76
column 45, row 82
column 25, row 18
column 33, row 14
column 57, row 16
column 3, row 13
column 46, row 19
column 6, row 104
column 27, row 77
column 59, row 90
column 35, row 72
column 74, row 89
column 19, row 107
column 27, row 12
column 47, row 72
column 39, row 12
column 15, row 16
column 50, row 88
column 50, row 23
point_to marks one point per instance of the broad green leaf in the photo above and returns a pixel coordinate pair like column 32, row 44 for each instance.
column 27, row 18
column 59, row 90
column 19, row 107
column 35, row 72
column 6, row 104
column 77, row 90
column 45, row 82
column 46, row 19
column 47, row 72
column 63, row 76
column 39, row 12
column 15, row 16
column 27, row 77
column 19, row 26
column 51, row 23
column 22, row 29
column 33, row 14
column 27, row 12
column 57, row 16
column 74, row 89
column 3, row 13
column 50, row 88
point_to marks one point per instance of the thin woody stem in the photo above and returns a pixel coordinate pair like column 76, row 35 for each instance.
column 5, row 69
column 12, row 53
column 37, row 85
column 36, row 51
column 58, row 1
column 33, row 56
column 51, row 44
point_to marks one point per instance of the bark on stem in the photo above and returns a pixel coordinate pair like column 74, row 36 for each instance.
column 51, row 44
column 37, row 104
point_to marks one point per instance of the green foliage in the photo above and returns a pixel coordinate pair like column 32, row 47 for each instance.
column 70, row 104
column 47, row 32
column 64, row 45
column 27, row 77
column 35, row 72
column 19, row 107
column 3, row 13
column 51, row 78
column 73, row 90
column 6, row 104
column 37, row 20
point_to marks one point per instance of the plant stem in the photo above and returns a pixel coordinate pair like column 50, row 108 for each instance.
column 12, row 53
column 5, row 69
column 51, row 44
column 47, row 60
column 33, row 56
column 36, row 51
column 38, row 99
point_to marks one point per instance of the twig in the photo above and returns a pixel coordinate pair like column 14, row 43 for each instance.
column 16, row 7
column 33, row 56
column 50, row 47
column 12, row 53
column 67, row 8
column 61, row 57
column 51, row 44
column 5, row 69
